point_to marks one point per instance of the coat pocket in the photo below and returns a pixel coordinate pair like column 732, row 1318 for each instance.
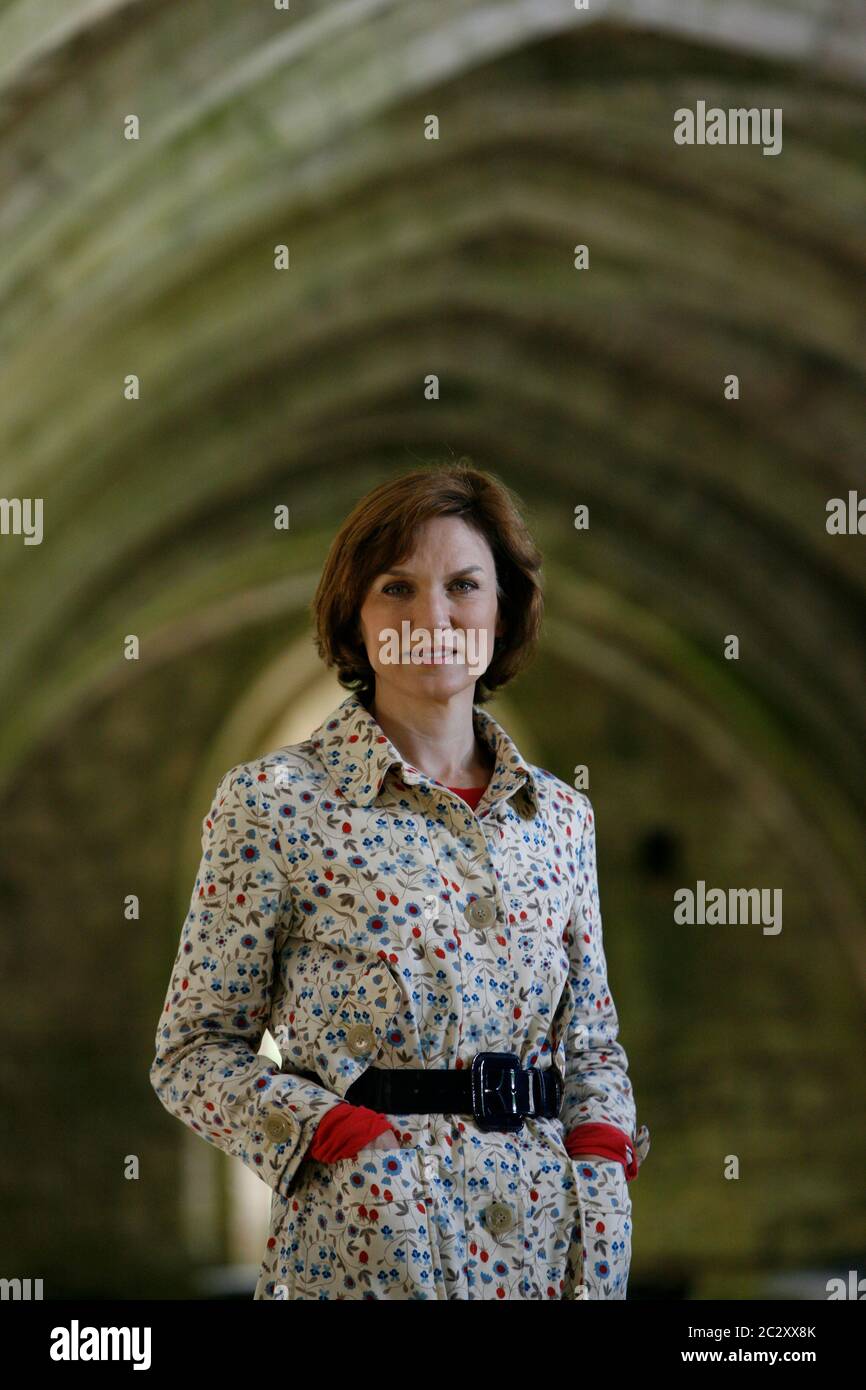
column 362, row 1229
column 601, row 1266
column 356, row 1027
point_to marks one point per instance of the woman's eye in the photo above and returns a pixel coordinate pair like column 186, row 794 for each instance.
column 470, row 584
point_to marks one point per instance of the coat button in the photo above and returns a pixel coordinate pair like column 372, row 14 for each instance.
column 500, row 1218
column 360, row 1039
column 481, row 912
column 278, row 1127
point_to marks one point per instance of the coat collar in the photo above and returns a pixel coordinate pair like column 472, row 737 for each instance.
column 358, row 755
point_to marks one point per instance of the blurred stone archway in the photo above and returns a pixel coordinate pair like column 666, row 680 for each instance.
column 301, row 389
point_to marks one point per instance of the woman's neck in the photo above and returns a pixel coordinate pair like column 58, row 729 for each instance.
column 438, row 739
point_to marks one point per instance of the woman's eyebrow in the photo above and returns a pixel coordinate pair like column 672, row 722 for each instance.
column 467, row 569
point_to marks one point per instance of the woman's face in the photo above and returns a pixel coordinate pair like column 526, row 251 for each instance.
column 444, row 592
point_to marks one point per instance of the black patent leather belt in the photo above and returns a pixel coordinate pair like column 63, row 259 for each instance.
column 495, row 1089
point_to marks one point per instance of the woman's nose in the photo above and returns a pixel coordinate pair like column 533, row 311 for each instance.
column 433, row 614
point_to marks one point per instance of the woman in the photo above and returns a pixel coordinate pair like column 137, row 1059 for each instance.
column 412, row 909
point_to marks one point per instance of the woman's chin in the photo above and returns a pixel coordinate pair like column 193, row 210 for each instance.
column 444, row 679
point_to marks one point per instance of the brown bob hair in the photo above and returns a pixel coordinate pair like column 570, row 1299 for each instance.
column 380, row 532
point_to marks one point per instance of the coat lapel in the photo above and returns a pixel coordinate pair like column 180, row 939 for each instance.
column 359, row 756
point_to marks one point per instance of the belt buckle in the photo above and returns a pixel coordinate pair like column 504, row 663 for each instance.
column 494, row 1091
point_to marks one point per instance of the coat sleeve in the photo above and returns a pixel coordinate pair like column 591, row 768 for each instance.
column 597, row 1088
column 207, row 1070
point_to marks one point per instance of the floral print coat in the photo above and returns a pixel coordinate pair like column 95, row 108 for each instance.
column 333, row 905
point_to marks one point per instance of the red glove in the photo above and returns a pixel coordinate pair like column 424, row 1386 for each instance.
column 605, row 1140
column 344, row 1130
